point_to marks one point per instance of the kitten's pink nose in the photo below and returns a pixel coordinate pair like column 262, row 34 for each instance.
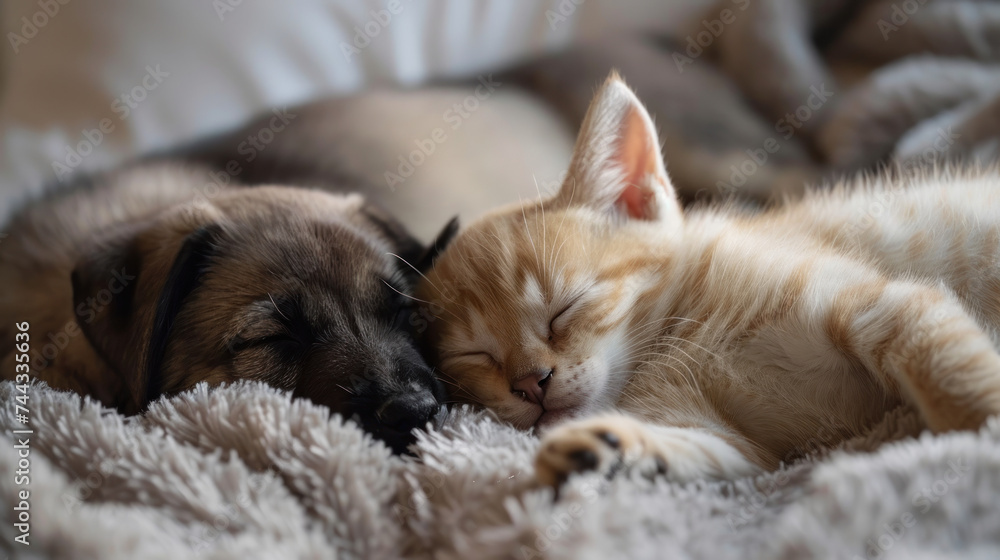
column 531, row 387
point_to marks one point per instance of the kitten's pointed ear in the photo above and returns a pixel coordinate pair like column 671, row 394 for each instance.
column 617, row 166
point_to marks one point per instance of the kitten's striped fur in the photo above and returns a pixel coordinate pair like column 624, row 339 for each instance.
column 716, row 343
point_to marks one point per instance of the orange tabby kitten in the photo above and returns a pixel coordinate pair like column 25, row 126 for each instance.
column 715, row 343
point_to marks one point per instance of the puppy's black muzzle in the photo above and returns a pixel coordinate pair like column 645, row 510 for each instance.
column 392, row 416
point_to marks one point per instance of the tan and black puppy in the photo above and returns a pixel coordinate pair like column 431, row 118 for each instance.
column 147, row 281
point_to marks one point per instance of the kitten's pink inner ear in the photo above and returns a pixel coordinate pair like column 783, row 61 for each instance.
column 639, row 155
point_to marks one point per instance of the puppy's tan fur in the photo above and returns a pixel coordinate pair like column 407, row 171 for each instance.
column 116, row 240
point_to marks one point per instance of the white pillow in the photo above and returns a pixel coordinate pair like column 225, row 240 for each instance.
column 153, row 74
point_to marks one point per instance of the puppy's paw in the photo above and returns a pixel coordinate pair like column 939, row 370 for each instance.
column 606, row 444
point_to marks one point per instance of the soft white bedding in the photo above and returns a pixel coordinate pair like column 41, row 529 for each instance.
column 244, row 472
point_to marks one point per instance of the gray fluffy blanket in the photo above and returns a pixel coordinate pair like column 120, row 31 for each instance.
column 245, row 472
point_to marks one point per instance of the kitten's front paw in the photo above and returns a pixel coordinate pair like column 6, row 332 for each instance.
column 610, row 444
column 606, row 444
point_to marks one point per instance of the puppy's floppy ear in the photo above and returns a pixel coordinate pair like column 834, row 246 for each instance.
column 126, row 294
column 190, row 265
column 438, row 246
column 105, row 286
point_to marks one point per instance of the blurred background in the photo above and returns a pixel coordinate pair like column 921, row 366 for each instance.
column 445, row 106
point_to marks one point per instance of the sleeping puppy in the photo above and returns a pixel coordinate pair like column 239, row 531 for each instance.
column 147, row 281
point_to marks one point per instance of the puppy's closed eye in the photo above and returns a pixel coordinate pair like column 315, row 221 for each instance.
column 274, row 323
column 239, row 344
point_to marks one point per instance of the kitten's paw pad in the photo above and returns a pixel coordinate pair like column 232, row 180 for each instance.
column 604, row 445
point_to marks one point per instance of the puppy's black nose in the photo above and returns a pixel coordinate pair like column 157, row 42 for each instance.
column 406, row 411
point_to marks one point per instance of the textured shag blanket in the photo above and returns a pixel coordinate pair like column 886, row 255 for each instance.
column 245, row 472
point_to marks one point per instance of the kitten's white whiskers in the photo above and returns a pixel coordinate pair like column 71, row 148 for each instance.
column 524, row 220
column 692, row 343
column 541, row 207
column 391, row 287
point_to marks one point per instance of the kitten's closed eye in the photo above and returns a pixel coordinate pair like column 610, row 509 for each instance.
column 482, row 357
column 560, row 319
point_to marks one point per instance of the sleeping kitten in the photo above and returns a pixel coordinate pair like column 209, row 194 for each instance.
column 714, row 343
